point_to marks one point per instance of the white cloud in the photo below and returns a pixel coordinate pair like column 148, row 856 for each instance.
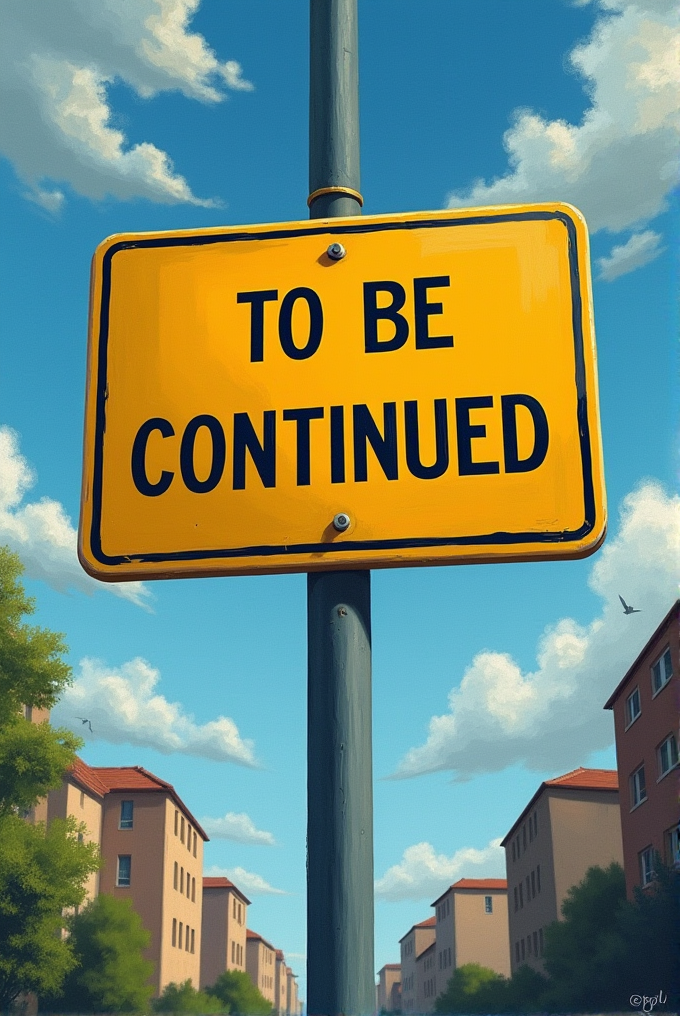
column 41, row 533
column 124, row 708
column 621, row 162
column 639, row 250
column 247, row 881
column 237, row 827
column 423, row 874
column 57, row 61
column 553, row 718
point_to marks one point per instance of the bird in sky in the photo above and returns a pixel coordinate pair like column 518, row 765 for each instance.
column 84, row 720
column 626, row 608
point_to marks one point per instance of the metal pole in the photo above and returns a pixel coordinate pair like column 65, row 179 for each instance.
column 340, row 978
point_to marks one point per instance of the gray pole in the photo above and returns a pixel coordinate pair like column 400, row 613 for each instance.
column 340, row 977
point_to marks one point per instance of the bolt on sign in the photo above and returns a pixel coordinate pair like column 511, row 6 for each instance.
column 376, row 391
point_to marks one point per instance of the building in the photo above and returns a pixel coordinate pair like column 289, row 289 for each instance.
column 389, row 988
column 426, row 979
column 281, row 984
column 416, row 940
column 152, row 853
column 570, row 824
column 294, row 1007
column 646, row 706
column 223, row 929
column 261, row 964
column 471, row 927
column 39, row 812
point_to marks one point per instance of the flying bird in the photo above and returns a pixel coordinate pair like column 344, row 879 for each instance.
column 84, row 720
column 626, row 608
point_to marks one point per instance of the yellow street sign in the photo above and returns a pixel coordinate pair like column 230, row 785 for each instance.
column 344, row 393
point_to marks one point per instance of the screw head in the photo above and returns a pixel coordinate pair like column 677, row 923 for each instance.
column 341, row 521
column 336, row 252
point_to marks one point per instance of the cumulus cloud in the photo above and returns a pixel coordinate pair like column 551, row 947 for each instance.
column 239, row 828
column 124, row 707
column 423, row 874
column 57, row 61
column 639, row 250
column 619, row 164
column 552, row 718
column 247, row 881
column 41, row 533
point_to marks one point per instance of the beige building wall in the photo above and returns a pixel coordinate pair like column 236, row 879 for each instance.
column 564, row 832
column 281, row 984
column 72, row 800
column 415, row 941
column 472, row 927
column 39, row 813
column 165, row 881
column 261, row 965
column 388, row 976
column 223, row 929
column 426, row 979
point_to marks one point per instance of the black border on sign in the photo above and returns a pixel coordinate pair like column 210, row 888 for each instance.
column 500, row 539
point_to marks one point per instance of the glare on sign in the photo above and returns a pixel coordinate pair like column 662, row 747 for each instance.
column 365, row 392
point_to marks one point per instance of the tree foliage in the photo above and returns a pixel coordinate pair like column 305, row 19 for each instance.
column 477, row 989
column 110, row 973
column 42, row 872
column 234, row 989
column 184, row 998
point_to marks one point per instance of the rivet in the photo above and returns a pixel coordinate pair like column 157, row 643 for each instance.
column 341, row 521
column 336, row 252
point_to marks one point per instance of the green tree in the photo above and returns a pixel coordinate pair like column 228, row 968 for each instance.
column 110, row 973
column 42, row 872
column 235, row 989
column 472, row 989
column 184, row 998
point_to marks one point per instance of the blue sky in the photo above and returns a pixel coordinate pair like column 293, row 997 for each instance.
column 174, row 113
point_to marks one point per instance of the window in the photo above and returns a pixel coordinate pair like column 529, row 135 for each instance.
column 189, row 836
column 488, row 904
column 521, row 896
column 535, row 824
column 524, row 837
column 233, row 951
column 540, row 941
column 175, row 877
column 516, row 897
column 638, row 789
column 193, row 890
column 181, row 880
column 82, row 798
column 174, row 931
column 124, row 869
column 176, row 820
column 529, row 945
column 179, row 937
column 667, row 754
column 80, row 838
column 528, row 889
column 188, row 886
column 535, row 943
column 662, row 672
column 126, row 814
column 646, row 865
column 531, row 828
column 195, row 842
column 533, row 884
column 181, row 829
column 673, row 846
column 632, row 707
column 187, row 939
column 538, row 878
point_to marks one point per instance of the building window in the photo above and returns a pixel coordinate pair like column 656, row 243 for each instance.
column 189, row 835
column 176, row 820
column 195, row 842
column 524, row 837
column 175, row 877
column 488, row 904
column 535, row 824
column 179, row 937
column 516, row 897
column 188, row 886
column 181, row 880
column 531, row 828
column 82, row 798
column 662, row 672
column 233, row 951
column 193, row 890
column 633, row 709
column 667, row 754
column 538, row 878
column 528, row 889
column 124, row 869
column 187, row 939
column 533, row 884
column 540, row 941
column 528, row 945
column 193, row 939
column 638, row 789
column 521, row 896
column 672, row 840
column 126, row 808
column 646, row 865
column 181, row 829
column 535, row 943
column 174, row 931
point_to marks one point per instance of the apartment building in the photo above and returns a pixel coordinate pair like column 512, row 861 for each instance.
column 261, row 964
column 281, row 984
column 416, row 940
column 570, row 824
column 426, row 979
column 152, row 852
column 471, row 926
column 293, row 1000
column 646, row 706
column 223, row 929
column 389, row 988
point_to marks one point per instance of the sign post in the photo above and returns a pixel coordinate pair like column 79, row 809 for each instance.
column 340, row 975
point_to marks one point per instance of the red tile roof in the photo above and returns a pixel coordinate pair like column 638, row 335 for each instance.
column 390, row 966
column 127, row 779
column 423, row 924
column 474, row 883
column 219, row 882
column 279, row 954
column 577, row 779
column 253, row 936
column 672, row 614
